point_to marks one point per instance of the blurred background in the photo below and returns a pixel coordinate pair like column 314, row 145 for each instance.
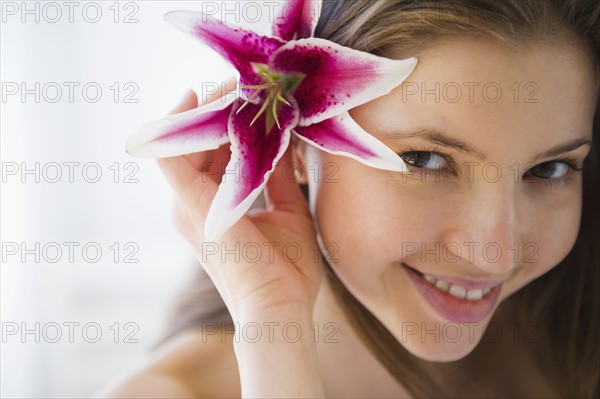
column 90, row 259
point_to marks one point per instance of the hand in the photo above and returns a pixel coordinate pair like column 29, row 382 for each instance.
column 263, row 284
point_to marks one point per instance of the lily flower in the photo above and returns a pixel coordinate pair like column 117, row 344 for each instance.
column 290, row 84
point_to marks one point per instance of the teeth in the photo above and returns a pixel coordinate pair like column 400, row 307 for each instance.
column 474, row 295
column 442, row 285
column 456, row 290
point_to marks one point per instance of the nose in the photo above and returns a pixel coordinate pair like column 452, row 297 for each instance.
column 484, row 227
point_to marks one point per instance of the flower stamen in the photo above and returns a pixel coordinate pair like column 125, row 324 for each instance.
column 274, row 111
column 277, row 86
column 254, row 94
column 283, row 100
column 260, row 112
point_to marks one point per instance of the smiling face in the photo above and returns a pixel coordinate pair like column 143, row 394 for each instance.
column 482, row 209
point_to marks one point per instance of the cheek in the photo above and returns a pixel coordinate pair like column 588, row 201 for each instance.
column 551, row 236
column 366, row 219
column 348, row 211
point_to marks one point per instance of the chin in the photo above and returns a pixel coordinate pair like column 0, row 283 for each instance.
column 441, row 352
column 432, row 338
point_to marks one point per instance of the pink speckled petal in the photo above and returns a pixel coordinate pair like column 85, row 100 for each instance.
column 337, row 78
column 341, row 135
column 253, row 158
column 296, row 19
column 240, row 47
column 199, row 129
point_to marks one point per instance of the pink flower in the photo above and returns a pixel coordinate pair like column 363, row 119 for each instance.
column 291, row 83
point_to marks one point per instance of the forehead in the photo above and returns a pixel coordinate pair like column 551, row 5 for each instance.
column 485, row 89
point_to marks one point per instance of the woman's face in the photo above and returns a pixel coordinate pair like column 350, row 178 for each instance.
column 493, row 202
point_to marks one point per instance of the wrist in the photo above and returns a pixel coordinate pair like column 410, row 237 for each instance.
column 277, row 356
column 273, row 332
column 289, row 312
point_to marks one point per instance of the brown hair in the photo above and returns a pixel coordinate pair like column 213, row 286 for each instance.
column 563, row 303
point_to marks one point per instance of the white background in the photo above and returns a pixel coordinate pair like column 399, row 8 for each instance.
column 160, row 63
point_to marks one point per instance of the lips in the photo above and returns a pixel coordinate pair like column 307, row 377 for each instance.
column 452, row 303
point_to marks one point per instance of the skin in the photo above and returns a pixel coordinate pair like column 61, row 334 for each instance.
column 470, row 209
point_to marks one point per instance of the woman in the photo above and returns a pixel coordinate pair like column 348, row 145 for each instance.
column 473, row 276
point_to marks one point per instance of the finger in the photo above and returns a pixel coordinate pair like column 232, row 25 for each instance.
column 193, row 176
column 189, row 101
column 204, row 161
column 221, row 156
column 282, row 191
column 171, row 165
column 195, row 189
column 182, row 221
column 189, row 231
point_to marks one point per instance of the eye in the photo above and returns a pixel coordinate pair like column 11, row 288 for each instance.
column 429, row 160
column 550, row 170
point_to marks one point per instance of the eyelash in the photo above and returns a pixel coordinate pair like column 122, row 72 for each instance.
column 573, row 163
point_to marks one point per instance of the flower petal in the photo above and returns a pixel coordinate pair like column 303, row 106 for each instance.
column 337, row 78
column 199, row 129
column 296, row 19
column 253, row 157
column 341, row 135
column 240, row 47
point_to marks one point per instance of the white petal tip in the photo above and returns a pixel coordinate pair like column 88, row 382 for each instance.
column 140, row 152
column 395, row 165
column 386, row 165
column 399, row 167
column 141, row 146
column 184, row 20
column 172, row 17
column 213, row 230
column 211, row 236
column 134, row 145
column 407, row 61
column 382, row 163
column 414, row 62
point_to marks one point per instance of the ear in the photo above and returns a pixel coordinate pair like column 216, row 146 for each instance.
column 299, row 159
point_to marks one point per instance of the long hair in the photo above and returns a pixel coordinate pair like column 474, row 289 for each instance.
column 564, row 303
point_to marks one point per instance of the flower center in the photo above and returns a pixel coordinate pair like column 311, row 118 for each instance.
column 277, row 86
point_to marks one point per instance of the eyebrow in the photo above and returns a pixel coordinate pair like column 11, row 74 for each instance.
column 562, row 148
column 446, row 140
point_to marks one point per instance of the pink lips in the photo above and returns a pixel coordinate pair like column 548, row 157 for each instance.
column 452, row 308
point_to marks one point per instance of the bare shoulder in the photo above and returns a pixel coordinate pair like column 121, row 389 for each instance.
column 191, row 364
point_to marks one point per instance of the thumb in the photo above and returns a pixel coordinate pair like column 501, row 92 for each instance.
column 282, row 191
